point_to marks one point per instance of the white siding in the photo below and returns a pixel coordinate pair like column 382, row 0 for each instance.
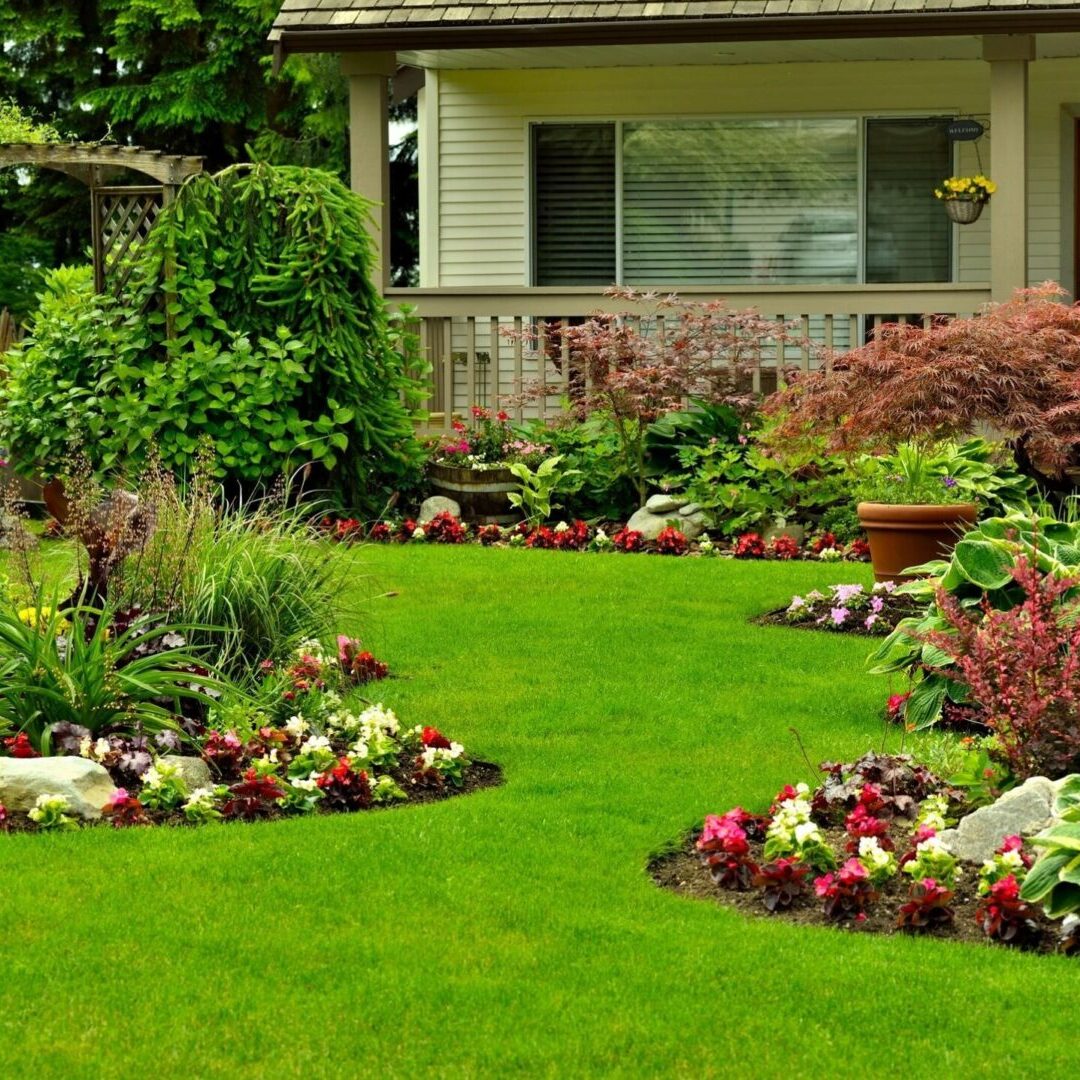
column 476, row 203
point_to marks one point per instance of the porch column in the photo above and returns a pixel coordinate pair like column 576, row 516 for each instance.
column 1008, row 56
column 369, row 143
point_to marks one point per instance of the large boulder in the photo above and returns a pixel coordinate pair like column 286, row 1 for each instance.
column 651, row 525
column 437, row 504
column 194, row 772
column 85, row 784
column 1024, row 811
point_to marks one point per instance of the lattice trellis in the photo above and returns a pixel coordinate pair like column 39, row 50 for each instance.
column 122, row 220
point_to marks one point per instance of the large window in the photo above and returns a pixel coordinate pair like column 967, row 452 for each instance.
column 733, row 202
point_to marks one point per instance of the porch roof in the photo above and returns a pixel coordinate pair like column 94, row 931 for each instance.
column 350, row 25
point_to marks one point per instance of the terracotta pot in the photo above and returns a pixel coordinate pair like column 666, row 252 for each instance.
column 904, row 536
column 481, row 493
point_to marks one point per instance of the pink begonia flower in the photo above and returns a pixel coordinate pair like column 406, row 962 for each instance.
column 843, row 593
column 876, row 604
column 838, row 615
column 869, row 621
column 823, row 884
column 1011, row 843
column 925, row 832
column 118, row 797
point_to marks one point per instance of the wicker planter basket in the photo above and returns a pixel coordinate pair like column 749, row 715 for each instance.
column 964, row 211
column 481, row 493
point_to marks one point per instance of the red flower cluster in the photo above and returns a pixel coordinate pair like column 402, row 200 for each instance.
column 894, row 707
column 381, row 533
column 628, row 540
column 406, row 529
column 361, row 667
column 1003, row 916
column 574, row 538
column 444, row 528
column 18, row 746
column 784, row 547
column 861, row 822
column 749, row 546
column 124, row 810
column 725, row 850
column 344, row 530
column 3, row 818
column 433, row 737
column 489, row 534
column 253, row 797
column 671, row 542
column 344, row 788
column 859, row 549
column 223, row 752
column 927, row 906
column 823, row 542
column 543, row 539
column 846, row 893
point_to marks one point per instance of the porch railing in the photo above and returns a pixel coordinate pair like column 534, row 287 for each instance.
column 473, row 336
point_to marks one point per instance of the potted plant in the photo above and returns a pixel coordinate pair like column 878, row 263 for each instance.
column 1014, row 368
column 472, row 466
column 965, row 196
column 910, row 513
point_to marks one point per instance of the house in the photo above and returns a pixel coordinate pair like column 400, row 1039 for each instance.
column 779, row 153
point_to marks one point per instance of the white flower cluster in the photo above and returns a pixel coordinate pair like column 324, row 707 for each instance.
column 373, row 720
column 561, row 528
column 94, row 749
column 433, row 757
column 791, row 826
column 880, row 864
column 297, row 726
column 1008, row 862
column 932, row 812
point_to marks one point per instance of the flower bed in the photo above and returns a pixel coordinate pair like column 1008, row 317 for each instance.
column 866, row 851
column 847, row 609
column 303, row 748
column 578, row 535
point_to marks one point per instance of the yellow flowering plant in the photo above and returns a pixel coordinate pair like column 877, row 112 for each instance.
column 973, row 188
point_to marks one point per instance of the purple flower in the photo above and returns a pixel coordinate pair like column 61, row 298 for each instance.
column 838, row 615
column 949, row 481
column 843, row 593
column 870, row 620
column 876, row 604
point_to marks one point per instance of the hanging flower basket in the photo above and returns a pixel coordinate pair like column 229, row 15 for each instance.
column 964, row 211
column 965, row 196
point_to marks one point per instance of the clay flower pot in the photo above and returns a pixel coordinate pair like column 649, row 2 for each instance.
column 904, row 536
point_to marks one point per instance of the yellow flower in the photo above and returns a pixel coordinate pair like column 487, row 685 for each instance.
column 32, row 616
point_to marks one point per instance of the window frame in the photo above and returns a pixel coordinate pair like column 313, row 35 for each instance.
column 861, row 119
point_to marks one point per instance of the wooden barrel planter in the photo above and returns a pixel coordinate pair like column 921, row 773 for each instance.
column 481, row 493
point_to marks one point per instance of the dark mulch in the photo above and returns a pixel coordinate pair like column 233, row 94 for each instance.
column 681, row 871
column 478, row 775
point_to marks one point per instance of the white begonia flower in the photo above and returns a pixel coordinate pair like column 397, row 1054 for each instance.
column 314, row 743
column 807, row 831
column 359, row 749
column 152, row 777
column 428, row 757
column 600, row 536
column 383, row 719
column 418, row 533
column 296, row 726
column 309, row 784
column 86, row 747
column 456, row 750
column 562, row 527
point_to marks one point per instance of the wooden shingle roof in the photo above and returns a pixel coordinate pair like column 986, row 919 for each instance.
column 340, row 19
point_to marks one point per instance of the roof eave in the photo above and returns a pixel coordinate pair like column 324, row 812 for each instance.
column 669, row 31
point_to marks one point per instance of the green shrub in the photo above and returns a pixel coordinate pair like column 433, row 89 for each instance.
column 249, row 318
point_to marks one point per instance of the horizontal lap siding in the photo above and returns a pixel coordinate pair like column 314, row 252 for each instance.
column 483, row 185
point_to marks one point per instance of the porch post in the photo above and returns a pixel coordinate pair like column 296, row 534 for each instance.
column 369, row 143
column 1008, row 56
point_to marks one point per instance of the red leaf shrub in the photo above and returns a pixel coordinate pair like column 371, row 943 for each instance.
column 1015, row 366
column 781, row 883
column 927, row 906
column 1022, row 667
column 444, row 528
column 724, row 849
column 749, row 546
column 357, row 665
column 224, row 753
column 575, row 537
column 253, row 797
column 542, row 538
column 671, row 542
column 124, row 810
column 859, row 549
column 344, row 788
column 824, row 542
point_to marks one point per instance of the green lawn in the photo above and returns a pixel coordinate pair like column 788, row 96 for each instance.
column 516, row 931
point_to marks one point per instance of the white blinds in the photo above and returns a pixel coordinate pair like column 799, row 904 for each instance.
column 908, row 237
column 574, row 204
column 741, row 201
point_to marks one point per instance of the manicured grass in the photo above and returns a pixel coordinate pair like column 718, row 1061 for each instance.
column 516, row 931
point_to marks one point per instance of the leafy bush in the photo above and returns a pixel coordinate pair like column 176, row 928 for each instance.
column 85, row 668
column 271, row 340
column 1054, row 880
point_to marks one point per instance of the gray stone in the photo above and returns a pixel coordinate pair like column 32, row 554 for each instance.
column 192, row 770
column 437, row 504
column 690, row 509
column 664, row 504
column 1025, row 810
column 652, row 525
column 85, row 784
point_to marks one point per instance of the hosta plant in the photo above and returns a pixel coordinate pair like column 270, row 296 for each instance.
column 1054, row 880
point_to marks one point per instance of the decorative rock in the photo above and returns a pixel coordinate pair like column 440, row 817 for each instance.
column 652, row 525
column 192, row 770
column 437, row 504
column 664, row 504
column 85, row 784
column 689, row 509
column 1025, row 810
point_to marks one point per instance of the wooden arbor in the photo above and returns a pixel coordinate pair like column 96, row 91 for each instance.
column 121, row 216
